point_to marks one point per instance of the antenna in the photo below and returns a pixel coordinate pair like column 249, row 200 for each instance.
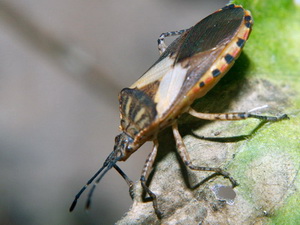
column 108, row 164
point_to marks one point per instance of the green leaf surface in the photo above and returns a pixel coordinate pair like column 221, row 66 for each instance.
column 274, row 52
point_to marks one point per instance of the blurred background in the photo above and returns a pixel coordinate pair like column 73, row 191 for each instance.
column 62, row 64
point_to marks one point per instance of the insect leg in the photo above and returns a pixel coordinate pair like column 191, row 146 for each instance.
column 128, row 181
column 235, row 116
column 187, row 161
column 161, row 40
column 145, row 174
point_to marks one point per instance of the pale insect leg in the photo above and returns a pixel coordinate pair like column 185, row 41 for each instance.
column 127, row 179
column 145, row 175
column 235, row 116
column 161, row 40
column 187, row 161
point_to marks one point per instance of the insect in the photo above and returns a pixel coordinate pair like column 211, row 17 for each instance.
column 186, row 70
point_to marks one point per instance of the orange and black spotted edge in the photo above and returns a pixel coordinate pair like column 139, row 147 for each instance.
column 186, row 70
column 228, row 56
column 232, row 52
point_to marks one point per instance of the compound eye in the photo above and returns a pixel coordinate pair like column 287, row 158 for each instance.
column 128, row 148
column 119, row 154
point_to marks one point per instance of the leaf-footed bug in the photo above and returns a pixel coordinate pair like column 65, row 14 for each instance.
column 186, row 70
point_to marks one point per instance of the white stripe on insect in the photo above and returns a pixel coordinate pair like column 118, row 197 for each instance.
column 155, row 73
column 169, row 88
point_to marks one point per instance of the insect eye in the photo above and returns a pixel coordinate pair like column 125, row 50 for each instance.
column 119, row 154
column 123, row 144
column 128, row 141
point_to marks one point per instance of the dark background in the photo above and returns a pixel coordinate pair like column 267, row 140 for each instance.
column 62, row 64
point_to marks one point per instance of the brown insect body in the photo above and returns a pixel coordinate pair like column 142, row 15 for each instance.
column 186, row 70
column 142, row 113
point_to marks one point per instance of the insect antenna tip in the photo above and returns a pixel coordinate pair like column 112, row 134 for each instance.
column 88, row 204
column 73, row 205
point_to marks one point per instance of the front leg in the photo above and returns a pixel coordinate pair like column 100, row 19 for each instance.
column 161, row 40
column 129, row 182
column 145, row 175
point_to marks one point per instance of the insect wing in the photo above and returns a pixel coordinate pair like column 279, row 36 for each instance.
column 203, row 49
column 164, row 79
column 188, row 59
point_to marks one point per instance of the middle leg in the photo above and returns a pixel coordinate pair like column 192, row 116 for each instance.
column 187, row 161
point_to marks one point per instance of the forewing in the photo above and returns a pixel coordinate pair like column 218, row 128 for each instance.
column 205, row 42
column 150, row 80
column 169, row 81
